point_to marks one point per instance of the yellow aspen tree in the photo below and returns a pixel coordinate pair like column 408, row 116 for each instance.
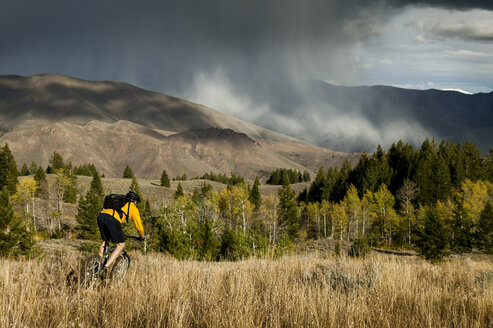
column 339, row 219
column 405, row 195
column 184, row 209
column 209, row 207
column 474, row 196
column 24, row 196
column 226, row 207
column 352, row 202
column 242, row 206
column 366, row 211
column 382, row 204
column 268, row 211
column 233, row 204
column 313, row 213
column 446, row 211
column 325, row 209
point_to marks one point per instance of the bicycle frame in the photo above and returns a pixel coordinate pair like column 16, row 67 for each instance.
column 92, row 266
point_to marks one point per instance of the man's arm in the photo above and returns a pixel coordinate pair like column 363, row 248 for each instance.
column 135, row 215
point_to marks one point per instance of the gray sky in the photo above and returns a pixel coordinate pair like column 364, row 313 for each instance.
column 215, row 52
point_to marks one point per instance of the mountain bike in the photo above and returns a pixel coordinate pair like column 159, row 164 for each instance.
column 92, row 268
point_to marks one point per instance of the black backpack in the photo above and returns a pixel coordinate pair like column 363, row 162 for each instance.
column 115, row 202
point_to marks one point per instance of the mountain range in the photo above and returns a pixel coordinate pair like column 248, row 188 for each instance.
column 113, row 124
column 353, row 119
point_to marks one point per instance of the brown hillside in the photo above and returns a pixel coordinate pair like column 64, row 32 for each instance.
column 112, row 146
column 55, row 98
column 114, row 124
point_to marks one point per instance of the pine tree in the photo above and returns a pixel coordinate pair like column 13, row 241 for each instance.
column 199, row 194
column 275, row 177
column 146, row 213
column 315, row 191
column 432, row 238
column 85, row 169
column 33, row 168
column 24, row 170
column 208, row 243
column 306, row 176
column 234, row 245
column 302, row 196
column 287, row 209
column 7, row 224
column 255, row 197
column 8, row 170
column 71, row 190
column 40, row 177
column 358, row 174
column 179, row 191
column 135, row 187
column 447, row 153
column 384, row 173
column 441, row 184
column 462, row 240
column 165, row 179
column 89, row 208
column 128, row 173
column 340, row 186
column 423, row 173
column 473, row 160
column 97, row 186
column 56, row 162
column 484, row 239
column 15, row 239
column 400, row 157
column 488, row 166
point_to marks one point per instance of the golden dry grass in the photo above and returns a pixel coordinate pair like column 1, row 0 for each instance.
column 290, row 292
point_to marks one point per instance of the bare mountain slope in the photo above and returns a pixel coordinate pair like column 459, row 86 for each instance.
column 54, row 98
column 112, row 146
column 114, row 124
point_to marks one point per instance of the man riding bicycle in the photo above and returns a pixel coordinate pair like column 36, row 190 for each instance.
column 110, row 227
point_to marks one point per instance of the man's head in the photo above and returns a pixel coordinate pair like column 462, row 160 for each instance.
column 133, row 197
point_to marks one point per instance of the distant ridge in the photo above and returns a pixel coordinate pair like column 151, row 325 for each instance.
column 55, row 97
column 113, row 124
column 361, row 117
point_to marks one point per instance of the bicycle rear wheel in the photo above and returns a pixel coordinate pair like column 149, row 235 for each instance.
column 120, row 268
column 89, row 270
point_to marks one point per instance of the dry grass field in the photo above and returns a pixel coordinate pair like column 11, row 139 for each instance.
column 296, row 291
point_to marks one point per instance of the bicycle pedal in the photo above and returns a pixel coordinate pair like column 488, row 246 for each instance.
column 105, row 273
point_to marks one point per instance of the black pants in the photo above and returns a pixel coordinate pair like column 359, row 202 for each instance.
column 110, row 228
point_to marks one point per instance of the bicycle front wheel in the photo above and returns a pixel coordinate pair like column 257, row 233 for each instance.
column 120, row 268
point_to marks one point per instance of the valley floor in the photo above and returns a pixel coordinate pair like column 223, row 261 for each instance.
column 296, row 291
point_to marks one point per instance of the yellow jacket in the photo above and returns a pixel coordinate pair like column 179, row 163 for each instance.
column 129, row 211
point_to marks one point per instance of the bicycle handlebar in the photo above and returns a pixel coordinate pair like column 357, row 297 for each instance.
column 135, row 237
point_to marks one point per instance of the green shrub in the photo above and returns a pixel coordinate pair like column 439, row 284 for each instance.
column 359, row 247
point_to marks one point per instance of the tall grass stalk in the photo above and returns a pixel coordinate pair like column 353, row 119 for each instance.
column 290, row 292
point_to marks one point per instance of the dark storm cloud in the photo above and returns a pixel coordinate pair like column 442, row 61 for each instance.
column 168, row 41
column 199, row 48
column 451, row 4
column 162, row 44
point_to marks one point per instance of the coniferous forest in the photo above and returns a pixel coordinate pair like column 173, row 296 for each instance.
column 436, row 200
